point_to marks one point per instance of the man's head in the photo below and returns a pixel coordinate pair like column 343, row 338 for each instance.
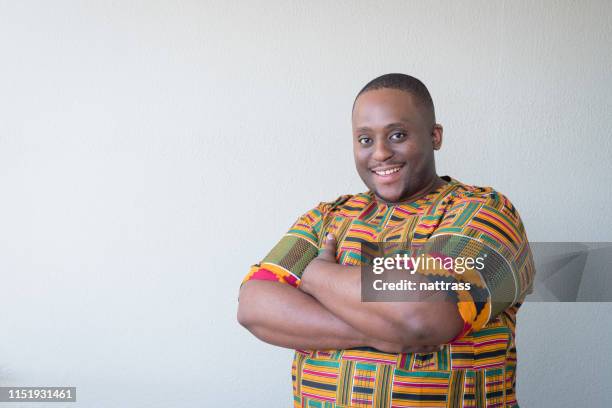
column 394, row 137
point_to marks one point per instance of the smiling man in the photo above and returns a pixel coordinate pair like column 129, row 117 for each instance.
column 456, row 349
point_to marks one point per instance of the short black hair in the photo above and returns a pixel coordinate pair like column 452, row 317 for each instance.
column 404, row 83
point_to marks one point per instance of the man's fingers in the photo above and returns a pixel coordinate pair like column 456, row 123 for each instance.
column 329, row 248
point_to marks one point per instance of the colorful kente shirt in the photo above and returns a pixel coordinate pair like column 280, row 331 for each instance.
column 478, row 368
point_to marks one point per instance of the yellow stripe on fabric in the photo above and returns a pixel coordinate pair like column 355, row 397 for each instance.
column 345, row 382
column 383, row 387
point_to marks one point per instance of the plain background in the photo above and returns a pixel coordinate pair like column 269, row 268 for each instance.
column 150, row 151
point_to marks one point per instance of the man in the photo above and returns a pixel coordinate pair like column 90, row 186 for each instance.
column 306, row 295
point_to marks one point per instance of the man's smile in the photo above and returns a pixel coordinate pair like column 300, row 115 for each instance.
column 387, row 174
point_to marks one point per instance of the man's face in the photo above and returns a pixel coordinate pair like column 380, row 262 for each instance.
column 393, row 144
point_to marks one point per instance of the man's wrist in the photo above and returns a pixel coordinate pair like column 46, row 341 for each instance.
column 309, row 276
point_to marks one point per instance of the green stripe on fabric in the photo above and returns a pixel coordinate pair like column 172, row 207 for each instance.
column 382, row 392
column 428, row 374
column 489, row 331
column 320, row 363
column 443, row 358
column 456, row 388
column 492, row 372
column 305, row 234
column 489, row 240
column 500, row 214
column 356, row 256
column 345, row 383
column 446, row 230
column 298, row 359
column 363, row 224
column 366, row 366
column 466, row 213
column 314, row 404
column 479, row 389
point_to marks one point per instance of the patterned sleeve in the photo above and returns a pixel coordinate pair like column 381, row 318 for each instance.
column 290, row 256
column 483, row 226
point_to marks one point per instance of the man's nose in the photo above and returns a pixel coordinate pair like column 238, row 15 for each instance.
column 382, row 151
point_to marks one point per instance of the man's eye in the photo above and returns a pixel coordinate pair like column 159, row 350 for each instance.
column 364, row 140
column 397, row 136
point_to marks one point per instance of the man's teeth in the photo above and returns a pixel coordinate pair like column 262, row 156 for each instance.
column 387, row 172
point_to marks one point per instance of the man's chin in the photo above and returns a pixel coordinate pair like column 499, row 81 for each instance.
column 389, row 196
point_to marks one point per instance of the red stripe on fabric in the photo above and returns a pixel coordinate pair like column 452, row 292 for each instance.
column 378, row 360
column 420, row 385
column 463, row 366
column 502, row 223
column 463, row 343
column 481, row 366
column 320, row 373
column 367, row 211
column 267, row 275
column 466, row 328
column 364, row 378
column 489, row 233
column 488, row 342
column 347, row 248
column 401, row 210
column 264, row 274
column 306, row 394
column 363, row 232
column 403, row 358
column 292, row 280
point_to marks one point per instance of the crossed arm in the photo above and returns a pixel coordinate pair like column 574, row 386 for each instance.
column 326, row 312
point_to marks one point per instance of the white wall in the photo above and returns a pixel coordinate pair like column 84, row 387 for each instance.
column 150, row 151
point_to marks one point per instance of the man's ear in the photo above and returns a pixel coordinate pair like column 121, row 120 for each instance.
column 436, row 136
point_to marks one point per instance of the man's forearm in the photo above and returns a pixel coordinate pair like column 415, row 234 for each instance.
column 284, row 316
column 279, row 314
column 338, row 288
